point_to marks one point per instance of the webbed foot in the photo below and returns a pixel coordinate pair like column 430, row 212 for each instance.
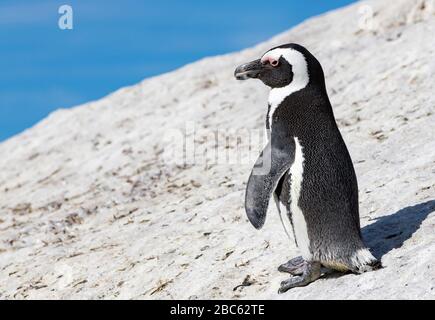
column 311, row 272
column 294, row 266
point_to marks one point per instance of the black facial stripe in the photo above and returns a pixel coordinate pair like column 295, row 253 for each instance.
column 279, row 76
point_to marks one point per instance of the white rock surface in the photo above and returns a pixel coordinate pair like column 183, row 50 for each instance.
column 89, row 208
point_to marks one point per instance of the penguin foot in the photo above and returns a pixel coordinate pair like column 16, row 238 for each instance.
column 294, row 266
column 310, row 273
column 372, row 266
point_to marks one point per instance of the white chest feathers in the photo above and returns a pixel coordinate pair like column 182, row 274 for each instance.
column 300, row 225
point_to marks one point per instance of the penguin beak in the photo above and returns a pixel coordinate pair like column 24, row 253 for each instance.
column 248, row 70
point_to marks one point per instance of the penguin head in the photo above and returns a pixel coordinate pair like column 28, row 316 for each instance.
column 282, row 66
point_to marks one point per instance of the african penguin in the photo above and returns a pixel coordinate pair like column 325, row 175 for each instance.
column 310, row 172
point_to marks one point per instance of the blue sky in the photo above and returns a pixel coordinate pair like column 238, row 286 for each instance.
column 119, row 43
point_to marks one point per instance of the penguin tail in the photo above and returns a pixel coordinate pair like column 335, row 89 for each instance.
column 364, row 261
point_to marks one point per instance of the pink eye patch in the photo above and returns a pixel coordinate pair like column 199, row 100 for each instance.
column 269, row 59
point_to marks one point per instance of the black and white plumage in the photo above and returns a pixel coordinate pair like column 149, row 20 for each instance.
column 311, row 173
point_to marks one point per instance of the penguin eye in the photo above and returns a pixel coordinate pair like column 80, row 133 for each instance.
column 274, row 63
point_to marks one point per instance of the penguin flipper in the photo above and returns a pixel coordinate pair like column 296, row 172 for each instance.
column 270, row 166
